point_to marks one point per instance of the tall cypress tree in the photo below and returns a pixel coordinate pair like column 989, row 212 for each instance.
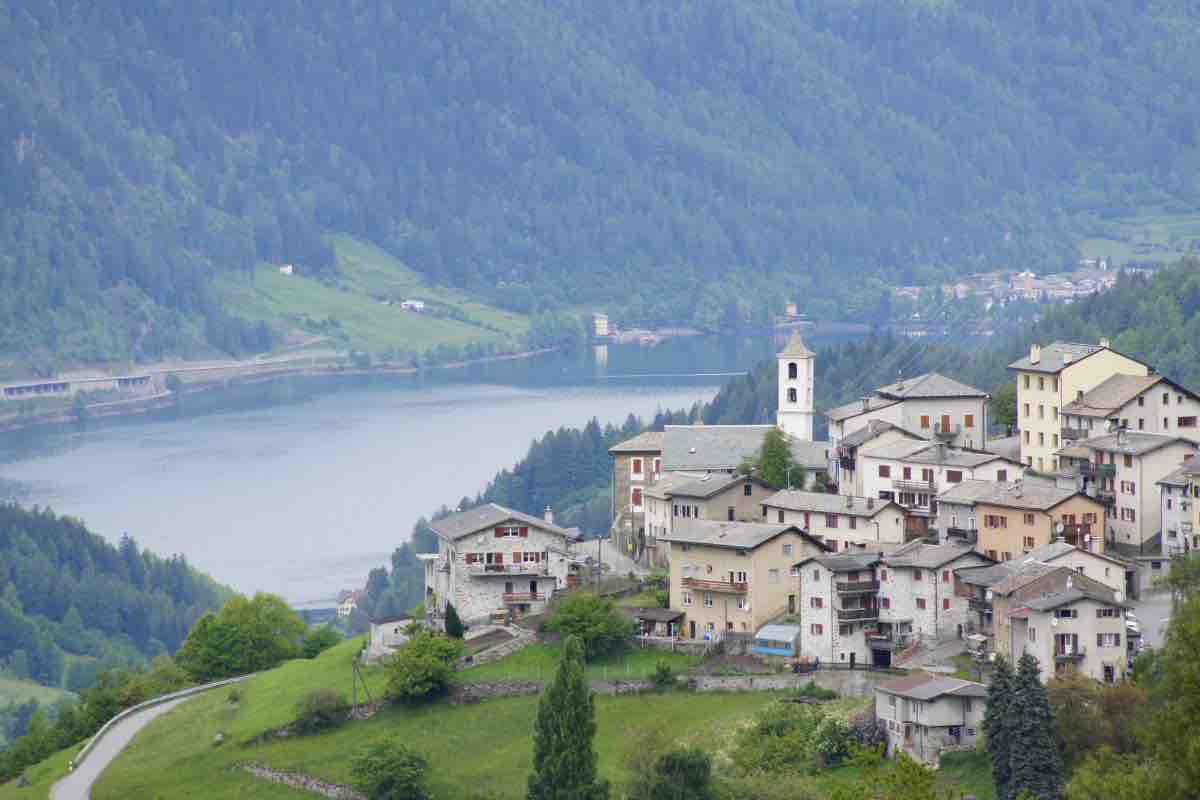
column 564, row 762
column 454, row 627
column 995, row 721
column 1033, row 756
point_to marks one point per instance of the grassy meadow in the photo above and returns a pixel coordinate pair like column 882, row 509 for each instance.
column 1149, row 236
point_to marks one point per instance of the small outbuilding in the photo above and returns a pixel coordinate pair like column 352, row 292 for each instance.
column 777, row 640
column 662, row 622
column 387, row 634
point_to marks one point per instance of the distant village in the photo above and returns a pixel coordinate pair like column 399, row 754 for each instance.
column 908, row 536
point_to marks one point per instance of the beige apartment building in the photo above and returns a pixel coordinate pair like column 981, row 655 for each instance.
column 733, row 576
column 1051, row 377
column 1014, row 518
column 1082, row 627
column 1144, row 403
column 678, row 497
column 842, row 522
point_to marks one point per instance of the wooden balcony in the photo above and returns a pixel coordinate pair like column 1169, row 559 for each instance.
column 920, row 487
column 1074, row 654
column 523, row 597
column 979, row 604
column 858, row 587
column 524, row 568
column 857, row 614
column 1075, row 434
column 725, row 587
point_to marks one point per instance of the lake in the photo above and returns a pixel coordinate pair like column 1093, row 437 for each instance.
column 301, row 485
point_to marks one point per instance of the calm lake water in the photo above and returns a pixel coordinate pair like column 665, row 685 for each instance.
column 299, row 486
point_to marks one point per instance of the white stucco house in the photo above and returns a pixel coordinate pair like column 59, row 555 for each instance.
column 926, row 715
column 492, row 560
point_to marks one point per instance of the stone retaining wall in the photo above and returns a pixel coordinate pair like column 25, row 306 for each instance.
column 305, row 783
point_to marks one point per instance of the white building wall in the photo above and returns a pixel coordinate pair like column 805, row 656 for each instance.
column 957, row 408
column 795, row 416
column 1175, row 507
column 1085, row 626
column 943, row 613
column 1144, row 499
column 864, row 535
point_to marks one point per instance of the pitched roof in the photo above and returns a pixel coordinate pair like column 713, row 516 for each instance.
column 734, row 535
column 994, row 575
column 644, row 442
column 486, row 516
column 795, row 500
column 810, row 455
column 1030, row 495
column 926, row 556
column 873, row 429
column 1057, row 549
column 843, row 562
column 704, row 487
column 926, row 452
column 1133, row 443
column 849, row 410
column 652, row 614
column 1179, row 477
column 714, row 447
column 796, row 348
column 1006, row 447
column 931, row 384
column 1111, row 394
column 1051, row 359
column 1074, row 594
column 929, row 687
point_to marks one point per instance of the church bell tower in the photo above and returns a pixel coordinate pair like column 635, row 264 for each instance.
column 795, row 415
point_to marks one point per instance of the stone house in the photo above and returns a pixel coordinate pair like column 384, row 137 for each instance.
column 875, row 432
column 680, row 496
column 1048, row 379
column 917, row 597
column 637, row 465
column 493, row 560
column 1080, row 627
column 842, row 522
column 1146, row 403
column 836, row 605
column 926, row 715
column 732, row 576
column 387, row 634
column 1008, row 519
column 928, row 405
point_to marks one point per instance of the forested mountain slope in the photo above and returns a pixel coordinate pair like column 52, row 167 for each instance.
column 657, row 157
column 65, row 591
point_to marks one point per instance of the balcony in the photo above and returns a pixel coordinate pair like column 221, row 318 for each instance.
column 888, row 641
column 1075, row 434
column 1107, row 497
column 1069, row 654
column 1105, row 470
column 979, row 604
column 1076, row 535
column 524, row 568
column 846, row 463
column 946, row 432
column 523, row 597
column 727, row 587
column 857, row 614
column 919, row 487
column 967, row 535
column 858, row 587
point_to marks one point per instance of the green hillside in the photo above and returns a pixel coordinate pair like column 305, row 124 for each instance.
column 669, row 160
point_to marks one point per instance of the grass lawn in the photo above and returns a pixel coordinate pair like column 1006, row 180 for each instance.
column 645, row 599
column 1149, row 236
column 368, row 277
column 16, row 692
column 539, row 661
column 41, row 776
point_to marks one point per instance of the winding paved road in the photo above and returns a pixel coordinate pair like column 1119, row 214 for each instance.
column 78, row 785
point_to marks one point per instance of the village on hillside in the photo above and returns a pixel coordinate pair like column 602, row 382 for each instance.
column 910, row 537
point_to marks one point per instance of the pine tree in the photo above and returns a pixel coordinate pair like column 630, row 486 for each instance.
column 1033, row 751
column 454, row 627
column 564, row 761
column 995, row 721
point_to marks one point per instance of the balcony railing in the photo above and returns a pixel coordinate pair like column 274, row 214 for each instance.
column 858, row 587
column 968, row 535
column 1107, row 497
column 888, row 641
column 1074, row 434
column 716, row 586
column 857, row 614
column 1105, row 470
column 1076, row 534
column 979, row 604
column 1071, row 654
column 523, row 597
column 524, row 568
column 920, row 487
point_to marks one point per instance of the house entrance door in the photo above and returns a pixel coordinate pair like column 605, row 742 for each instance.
column 692, row 629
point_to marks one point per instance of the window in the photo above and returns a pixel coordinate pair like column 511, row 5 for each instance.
column 907, row 473
column 686, row 597
column 1041, row 384
column 1026, row 442
column 787, row 549
column 1186, row 422
column 831, row 520
column 927, row 475
column 953, row 476
column 1007, row 556
column 772, row 576
column 511, row 532
column 816, row 575
column 885, row 602
column 1129, row 461
column 1025, row 410
column 792, row 371
column 945, row 604
column 637, row 467
column 1054, row 440
column 843, row 630
column 742, row 603
column 995, row 521
column 1041, row 411
column 917, row 575
column 791, row 395
column 658, row 466
column 925, row 421
column 1066, row 613
column 885, row 471
column 1108, row 640
column 920, row 603
column 1041, row 439
column 1029, row 518
column 1166, row 423
column 1054, row 384
column 945, row 576
column 853, row 522
column 1026, row 381
column 1002, row 475
column 780, row 516
column 1166, row 399
column 636, row 498
column 729, row 513
column 968, row 420
column 708, row 603
column 1028, row 543
column 1033, row 634
column 1105, row 613
column 991, row 554
column 1054, row 411
column 883, row 575
column 816, row 629
column 945, row 422
column 1141, row 423
column 747, row 489
column 816, row 602
column 1141, row 401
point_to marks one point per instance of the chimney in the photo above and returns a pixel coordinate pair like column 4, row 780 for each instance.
column 548, row 515
column 1066, row 357
column 870, row 503
column 866, row 401
column 1035, row 353
column 1104, row 341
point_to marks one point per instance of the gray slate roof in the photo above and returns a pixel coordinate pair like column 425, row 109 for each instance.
column 1072, row 595
column 1016, row 573
column 929, row 687
column 645, row 442
column 1134, row 443
column 1110, row 395
column 715, row 447
column 931, row 384
column 795, row 500
column 778, row 633
column 871, row 430
column 926, row 556
column 1177, row 478
column 1006, row 447
column 1051, row 360
column 796, row 348
column 849, row 410
column 734, row 535
column 1058, row 549
column 464, row 523
column 688, row 486
column 1030, row 495
column 843, row 562
column 925, row 452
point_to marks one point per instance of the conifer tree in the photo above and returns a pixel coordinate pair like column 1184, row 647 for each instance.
column 1033, row 752
column 454, row 627
column 564, row 761
column 995, row 722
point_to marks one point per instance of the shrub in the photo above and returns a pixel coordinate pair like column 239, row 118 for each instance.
column 320, row 639
column 788, row 737
column 600, row 627
column 422, row 667
column 391, row 771
column 235, row 695
column 320, row 710
column 664, row 675
column 454, row 626
column 867, row 731
column 684, row 773
column 814, row 692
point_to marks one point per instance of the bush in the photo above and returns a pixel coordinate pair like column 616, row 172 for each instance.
column 868, row 732
column 788, row 737
column 664, row 675
column 422, row 667
column 595, row 620
column 812, row 691
column 391, row 771
column 454, row 626
column 320, row 710
column 320, row 639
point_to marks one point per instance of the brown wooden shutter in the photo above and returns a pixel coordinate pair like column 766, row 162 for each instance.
column 498, row 558
column 525, row 532
column 499, row 532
